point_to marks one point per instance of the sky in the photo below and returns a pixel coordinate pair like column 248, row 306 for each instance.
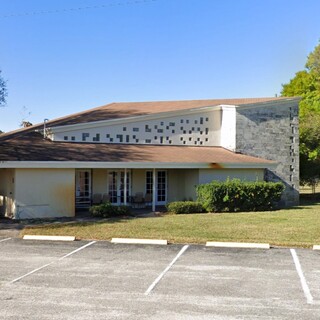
column 65, row 56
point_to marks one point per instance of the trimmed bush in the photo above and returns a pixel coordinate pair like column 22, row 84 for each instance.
column 180, row 207
column 235, row 195
column 107, row 210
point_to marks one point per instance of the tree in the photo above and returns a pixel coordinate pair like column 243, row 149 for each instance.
column 3, row 91
column 306, row 84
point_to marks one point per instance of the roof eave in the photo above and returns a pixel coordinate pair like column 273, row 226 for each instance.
column 132, row 165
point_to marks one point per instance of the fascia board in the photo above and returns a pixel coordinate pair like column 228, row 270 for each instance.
column 154, row 116
column 130, row 165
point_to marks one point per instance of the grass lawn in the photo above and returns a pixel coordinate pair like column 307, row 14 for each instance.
column 297, row 227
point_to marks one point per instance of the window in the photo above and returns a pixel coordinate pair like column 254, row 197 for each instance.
column 65, row 138
column 148, row 140
column 127, row 138
column 124, row 128
column 173, row 131
column 161, row 123
column 187, row 121
column 111, row 139
column 207, row 119
column 107, row 135
column 137, row 140
column 135, row 129
column 161, row 139
column 168, row 127
column 181, row 138
column 201, row 120
column 181, row 128
column 160, row 130
column 207, row 130
column 195, row 121
column 172, row 124
column 181, row 121
column 85, row 136
column 73, row 138
column 147, row 129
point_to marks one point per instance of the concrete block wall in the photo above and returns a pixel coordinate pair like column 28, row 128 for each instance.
column 272, row 132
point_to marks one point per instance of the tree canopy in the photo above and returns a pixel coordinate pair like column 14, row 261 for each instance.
column 306, row 84
column 3, row 91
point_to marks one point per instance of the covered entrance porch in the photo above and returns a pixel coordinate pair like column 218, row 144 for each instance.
column 138, row 188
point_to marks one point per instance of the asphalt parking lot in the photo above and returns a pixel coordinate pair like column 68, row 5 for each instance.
column 101, row 280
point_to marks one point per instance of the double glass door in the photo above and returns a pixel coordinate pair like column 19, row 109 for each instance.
column 116, row 186
column 161, row 186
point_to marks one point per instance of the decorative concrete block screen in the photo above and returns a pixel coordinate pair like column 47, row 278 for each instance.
column 202, row 129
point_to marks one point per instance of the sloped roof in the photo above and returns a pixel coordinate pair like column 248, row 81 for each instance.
column 32, row 147
column 130, row 109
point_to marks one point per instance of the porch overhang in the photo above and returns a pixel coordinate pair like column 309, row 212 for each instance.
column 132, row 165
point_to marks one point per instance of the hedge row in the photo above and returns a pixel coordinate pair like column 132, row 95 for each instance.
column 179, row 207
column 235, row 195
column 107, row 210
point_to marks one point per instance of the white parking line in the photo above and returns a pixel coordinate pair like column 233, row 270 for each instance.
column 48, row 264
column 5, row 239
column 155, row 282
column 303, row 281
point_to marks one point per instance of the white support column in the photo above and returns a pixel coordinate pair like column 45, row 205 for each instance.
column 154, row 189
column 125, row 187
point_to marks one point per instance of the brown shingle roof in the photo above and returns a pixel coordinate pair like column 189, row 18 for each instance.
column 129, row 109
column 32, row 147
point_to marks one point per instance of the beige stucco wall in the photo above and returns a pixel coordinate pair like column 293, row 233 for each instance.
column 175, row 185
column 191, row 179
column 99, row 181
column 138, row 181
column 7, row 183
column 207, row 175
column 44, row 193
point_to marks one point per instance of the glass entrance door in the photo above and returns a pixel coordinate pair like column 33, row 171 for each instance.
column 161, row 186
column 116, row 186
column 83, row 188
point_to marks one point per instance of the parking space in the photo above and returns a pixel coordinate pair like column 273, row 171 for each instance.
column 100, row 280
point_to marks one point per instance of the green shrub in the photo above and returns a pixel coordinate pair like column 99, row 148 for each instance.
column 179, row 207
column 107, row 210
column 235, row 195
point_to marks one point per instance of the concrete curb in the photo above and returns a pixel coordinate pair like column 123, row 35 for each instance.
column 139, row 241
column 238, row 245
column 49, row 238
column 316, row 247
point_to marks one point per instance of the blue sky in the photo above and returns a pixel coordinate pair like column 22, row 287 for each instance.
column 66, row 61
